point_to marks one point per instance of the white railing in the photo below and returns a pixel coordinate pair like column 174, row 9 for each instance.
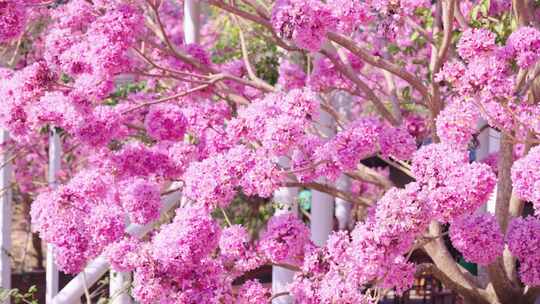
column 55, row 163
column 5, row 217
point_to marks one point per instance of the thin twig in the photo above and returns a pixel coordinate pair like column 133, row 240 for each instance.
column 227, row 220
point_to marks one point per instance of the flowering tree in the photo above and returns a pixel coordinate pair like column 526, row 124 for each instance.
column 138, row 109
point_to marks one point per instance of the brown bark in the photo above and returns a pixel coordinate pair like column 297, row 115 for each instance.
column 449, row 272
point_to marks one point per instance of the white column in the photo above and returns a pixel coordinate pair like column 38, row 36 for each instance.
column 192, row 22
column 342, row 102
column 5, row 201
column 55, row 160
column 322, row 204
column 343, row 207
column 286, row 200
column 489, row 142
column 119, row 285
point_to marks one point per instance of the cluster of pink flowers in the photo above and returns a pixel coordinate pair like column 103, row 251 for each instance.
column 285, row 239
column 350, row 14
column 234, row 242
column 478, row 237
column 291, row 76
column 141, row 200
column 476, row 42
column 19, row 90
column 456, row 124
column 165, row 122
column 325, row 78
column 277, row 121
column 13, row 16
column 213, row 181
column 523, row 239
column 485, row 78
column 522, row 44
column 305, row 22
column 327, row 276
column 123, row 254
column 252, row 292
column 182, row 244
column 340, row 271
column 526, row 179
column 453, row 186
column 86, row 217
column 397, row 143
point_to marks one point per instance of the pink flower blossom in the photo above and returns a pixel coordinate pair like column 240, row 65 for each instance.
column 523, row 44
column 165, row 122
column 284, row 240
column 252, row 292
column 13, row 16
column 476, row 42
column 305, row 22
column 478, row 237
column 141, row 200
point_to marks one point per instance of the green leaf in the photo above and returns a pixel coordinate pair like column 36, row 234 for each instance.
column 484, row 7
column 393, row 49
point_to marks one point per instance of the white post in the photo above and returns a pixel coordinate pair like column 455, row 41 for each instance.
column 489, row 142
column 119, row 285
column 342, row 102
column 322, row 204
column 5, row 201
column 55, row 160
column 192, row 21
column 343, row 207
column 286, row 201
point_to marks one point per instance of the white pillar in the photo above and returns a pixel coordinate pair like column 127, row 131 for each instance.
column 343, row 207
column 55, row 160
column 192, row 22
column 5, row 207
column 322, row 204
column 342, row 102
column 119, row 285
column 489, row 142
column 286, row 200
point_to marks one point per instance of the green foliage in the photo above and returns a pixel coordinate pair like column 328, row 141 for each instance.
column 263, row 55
column 18, row 297
column 502, row 25
column 122, row 92
column 251, row 212
column 65, row 78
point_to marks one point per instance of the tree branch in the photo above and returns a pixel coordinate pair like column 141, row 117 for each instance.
column 362, row 86
column 462, row 280
column 379, row 62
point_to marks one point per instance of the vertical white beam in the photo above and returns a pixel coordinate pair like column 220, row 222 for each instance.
column 343, row 207
column 192, row 21
column 322, row 204
column 55, row 160
column 286, row 201
column 488, row 142
column 342, row 102
column 119, row 284
column 5, row 201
